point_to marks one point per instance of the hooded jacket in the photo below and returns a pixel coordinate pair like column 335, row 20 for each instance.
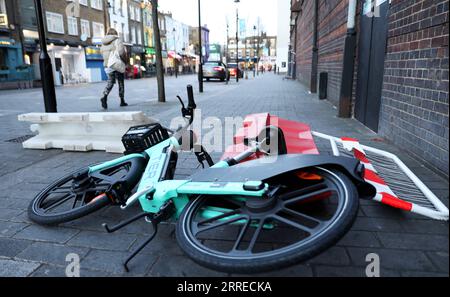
column 109, row 45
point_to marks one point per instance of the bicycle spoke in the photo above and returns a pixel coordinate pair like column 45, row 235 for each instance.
column 241, row 235
column 307, row 196
column 219, row 224
column 302, row 215
column 59, row 202
column 302, row 191
column 255, row 236
column 292, row 224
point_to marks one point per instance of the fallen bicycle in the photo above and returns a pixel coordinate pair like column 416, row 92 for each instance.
column 272, row 201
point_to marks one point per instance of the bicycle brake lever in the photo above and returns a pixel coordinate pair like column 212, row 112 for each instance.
column 136, row 196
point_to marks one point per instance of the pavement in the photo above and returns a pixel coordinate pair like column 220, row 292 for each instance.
column 408, row 244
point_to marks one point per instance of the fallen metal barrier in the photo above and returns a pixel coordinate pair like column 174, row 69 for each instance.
column 396, row 184
column 81, row 132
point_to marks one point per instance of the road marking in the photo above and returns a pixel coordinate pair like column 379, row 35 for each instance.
column 88, row 97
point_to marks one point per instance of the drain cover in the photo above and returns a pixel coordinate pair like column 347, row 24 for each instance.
column 20, row 139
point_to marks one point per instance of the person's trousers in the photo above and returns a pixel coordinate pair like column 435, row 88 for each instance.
column 112, row 77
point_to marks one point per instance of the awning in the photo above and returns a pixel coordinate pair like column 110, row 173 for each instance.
column 174, row 55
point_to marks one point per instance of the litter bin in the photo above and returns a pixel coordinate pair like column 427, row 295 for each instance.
column 323, row 85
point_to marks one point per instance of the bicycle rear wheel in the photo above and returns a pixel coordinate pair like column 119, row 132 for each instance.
column 248, row 235
column 81, row 193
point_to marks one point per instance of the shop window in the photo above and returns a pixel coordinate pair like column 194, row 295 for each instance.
column 72, row 26
column 3, row 59
column 55, row 22
column 84, row 2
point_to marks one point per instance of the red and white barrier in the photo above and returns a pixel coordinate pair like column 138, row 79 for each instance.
column 385, row 194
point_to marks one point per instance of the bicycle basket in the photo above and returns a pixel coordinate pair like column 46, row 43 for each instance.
column 140, row 138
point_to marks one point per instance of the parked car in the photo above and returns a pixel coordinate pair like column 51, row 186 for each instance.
column 233, row 68
column 217, row 70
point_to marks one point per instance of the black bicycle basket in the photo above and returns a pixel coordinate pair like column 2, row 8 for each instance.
column 140, row 138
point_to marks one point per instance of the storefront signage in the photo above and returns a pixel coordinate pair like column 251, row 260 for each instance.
column 150, row 51
column 3, row 20
column 6, row 42
column 137, row 50
column 93, row 53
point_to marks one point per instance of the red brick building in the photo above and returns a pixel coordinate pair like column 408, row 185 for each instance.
column 399, row 52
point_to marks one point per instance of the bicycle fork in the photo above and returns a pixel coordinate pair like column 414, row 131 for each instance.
column 165, row 212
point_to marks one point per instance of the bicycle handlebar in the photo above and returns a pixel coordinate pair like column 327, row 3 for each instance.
column 190, row 93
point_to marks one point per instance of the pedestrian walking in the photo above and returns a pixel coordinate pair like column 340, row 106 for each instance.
column 114, row 56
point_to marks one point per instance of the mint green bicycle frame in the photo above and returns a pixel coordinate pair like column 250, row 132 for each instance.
column 160, row 191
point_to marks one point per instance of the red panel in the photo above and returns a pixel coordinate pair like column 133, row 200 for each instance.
column 299, row 139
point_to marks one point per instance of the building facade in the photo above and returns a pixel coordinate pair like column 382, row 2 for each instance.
column 261, row 47
column 400, row 77
column 283, row 40
column 74, row 33
column 194, row 42
column 13, row 69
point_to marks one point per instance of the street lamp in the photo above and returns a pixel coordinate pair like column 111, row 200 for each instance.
column 175, row 50
column 237, row 40
column 200, row 65
column 254, row 51
column 45, row 64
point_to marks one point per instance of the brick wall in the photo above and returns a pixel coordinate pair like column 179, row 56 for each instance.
column 414, row 111
column 332, row 31
column 86, row 12
column 304, row 43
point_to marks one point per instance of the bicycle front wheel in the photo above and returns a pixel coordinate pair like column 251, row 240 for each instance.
column 80, row 193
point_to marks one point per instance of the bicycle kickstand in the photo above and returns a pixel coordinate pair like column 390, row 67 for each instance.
column 141, row 247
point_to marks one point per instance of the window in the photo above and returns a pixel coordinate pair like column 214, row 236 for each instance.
column 72, row 26
column 131, row 12
column 98, row 29
column 138, row 14
column 85, row 28
column 2, row 6
column 139, row 36
column 133, row 35
column 124, row 33
column 84, row 2
column 97, row 4
column 55, row 22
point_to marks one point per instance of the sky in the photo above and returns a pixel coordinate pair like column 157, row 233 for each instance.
column 215, row 14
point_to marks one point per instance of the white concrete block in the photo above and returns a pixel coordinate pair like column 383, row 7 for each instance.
column 82, row 132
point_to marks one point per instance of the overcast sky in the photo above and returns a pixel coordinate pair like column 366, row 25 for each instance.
column 216, row 12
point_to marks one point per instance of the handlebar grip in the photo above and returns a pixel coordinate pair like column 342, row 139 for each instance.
column 190, row 93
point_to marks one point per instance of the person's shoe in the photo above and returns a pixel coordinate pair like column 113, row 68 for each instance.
column 104, row 104
column 123, row 104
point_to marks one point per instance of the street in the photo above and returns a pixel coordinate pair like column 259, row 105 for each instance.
column 408, row 244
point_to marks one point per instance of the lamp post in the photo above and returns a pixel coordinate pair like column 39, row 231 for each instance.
column 226, row 52
column 200, row 64
column 237, row 41
column 175, row 61
column 254, row 51
column 45, row 64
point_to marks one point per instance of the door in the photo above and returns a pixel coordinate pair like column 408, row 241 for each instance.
column 372, row 50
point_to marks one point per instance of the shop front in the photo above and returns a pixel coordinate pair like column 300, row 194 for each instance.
column 69, row 64
column 94, row 64
column 150, row 62
column 12, row 67
column 137, row 58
